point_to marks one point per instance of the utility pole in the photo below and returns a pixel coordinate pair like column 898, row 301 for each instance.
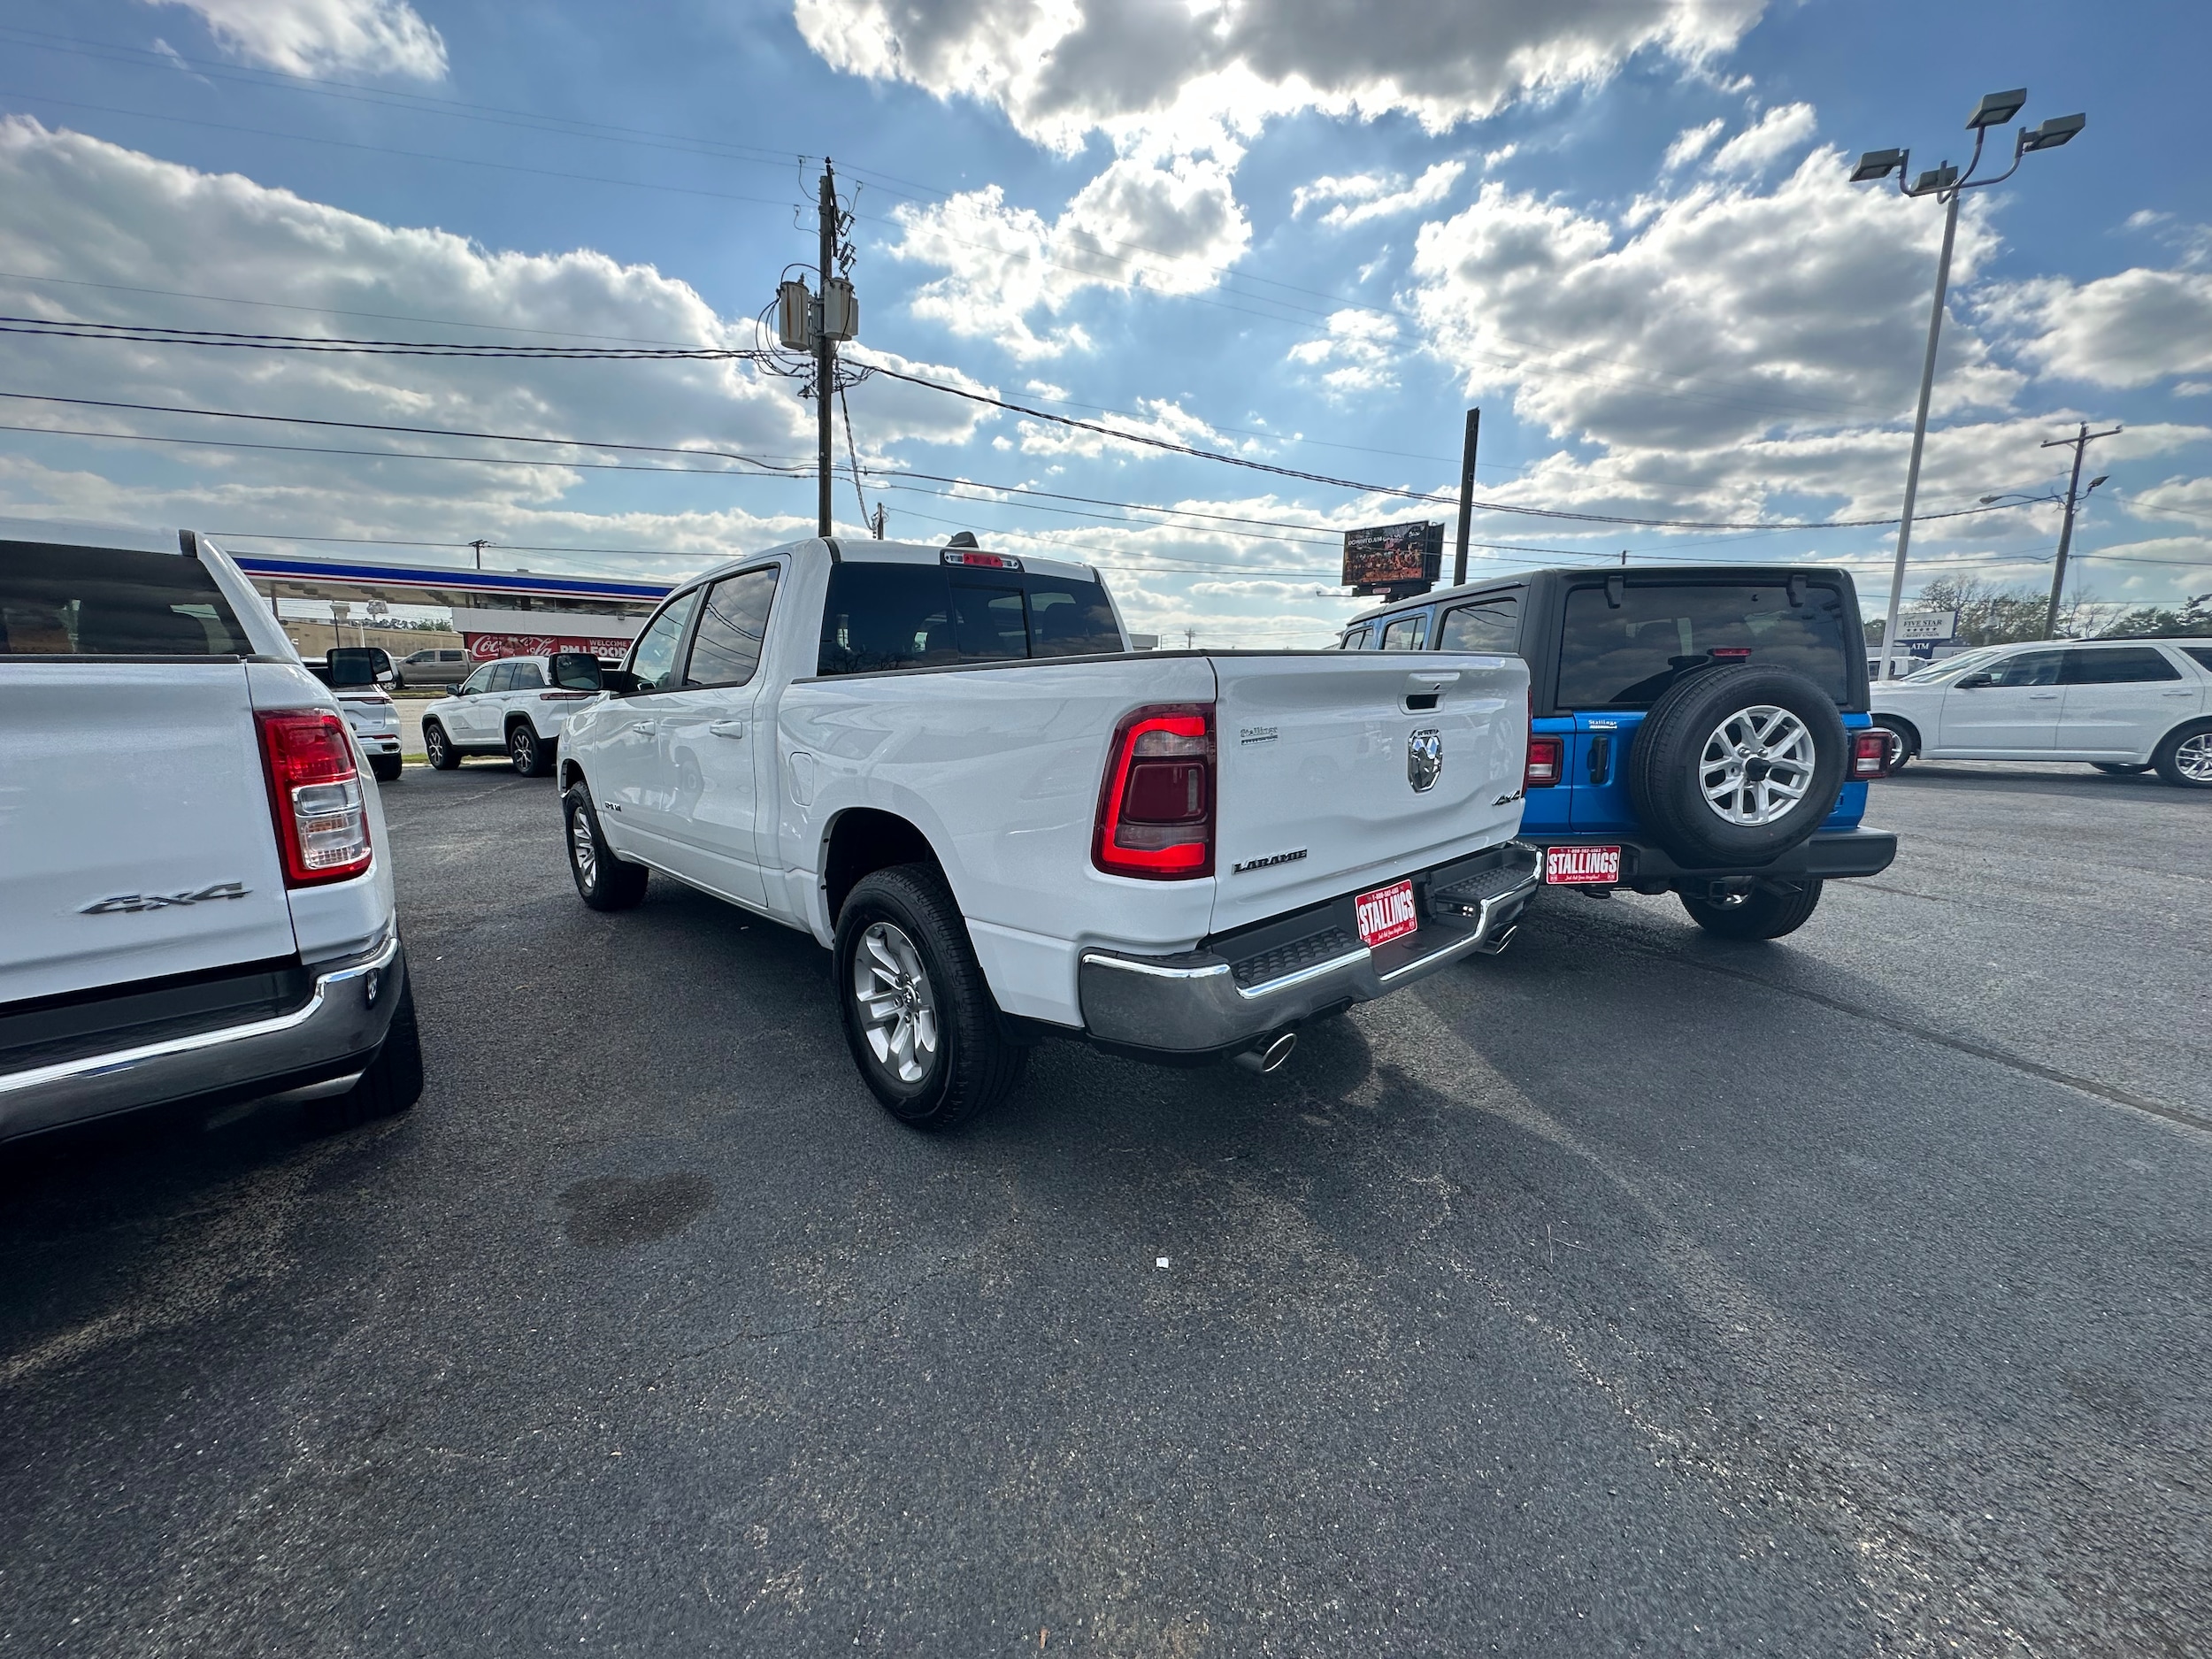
column 1466, row 494
column 479, row 544
column 878, row 521
column 2081, row 442
column 1948, row 184
column 825, row 352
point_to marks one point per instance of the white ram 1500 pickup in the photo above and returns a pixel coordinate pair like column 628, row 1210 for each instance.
column 196, row 889
column 947, row 767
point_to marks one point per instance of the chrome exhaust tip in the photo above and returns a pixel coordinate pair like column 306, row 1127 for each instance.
column 1267, row 1056
column 1492, row 946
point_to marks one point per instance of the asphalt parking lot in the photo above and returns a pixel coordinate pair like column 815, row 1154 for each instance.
column 1631, row 1293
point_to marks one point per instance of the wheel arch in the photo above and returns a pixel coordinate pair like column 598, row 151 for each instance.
column 861, row 840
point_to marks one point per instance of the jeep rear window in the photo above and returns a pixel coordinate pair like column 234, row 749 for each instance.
column 919, row 615
column 60, row 600
column 1625, row 655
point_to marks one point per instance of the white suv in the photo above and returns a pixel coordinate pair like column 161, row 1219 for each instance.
column 511, row 707
column 2119, row 706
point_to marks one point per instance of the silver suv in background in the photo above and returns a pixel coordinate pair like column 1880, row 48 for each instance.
column 195, row 887
column 438, row 666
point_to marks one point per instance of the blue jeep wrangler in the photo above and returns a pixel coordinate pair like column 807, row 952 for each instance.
column 1701, row 730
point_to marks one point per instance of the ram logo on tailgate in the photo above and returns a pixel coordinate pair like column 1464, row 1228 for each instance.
column 1424, row 759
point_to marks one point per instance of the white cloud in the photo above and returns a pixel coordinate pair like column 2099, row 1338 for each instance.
column 313, row 37
column 1063, row 68
column 1766, row 141
column 1692, row 142
column 81, row 211
column 1711, row 316
column 1167, row 228
column 2129, row 329
column 1358, row 355
column 1164, row 418
column 1362, row 196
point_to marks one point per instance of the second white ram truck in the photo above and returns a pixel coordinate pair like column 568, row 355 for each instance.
column 946, row 765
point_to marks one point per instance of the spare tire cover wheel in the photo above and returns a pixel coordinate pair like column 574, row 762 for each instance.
column 1738, row 763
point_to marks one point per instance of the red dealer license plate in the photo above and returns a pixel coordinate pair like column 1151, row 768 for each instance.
column 1582, row 866
column 1386, row 913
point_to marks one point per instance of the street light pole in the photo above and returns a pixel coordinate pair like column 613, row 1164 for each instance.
column 1946, row 184
column 2079, row 443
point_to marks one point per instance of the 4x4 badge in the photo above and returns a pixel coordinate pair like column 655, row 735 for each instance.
column 130, row 902
column 1424, row 759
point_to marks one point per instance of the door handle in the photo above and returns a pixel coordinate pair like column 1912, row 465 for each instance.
column 2042, row 697
column 727, row 728
column 2177, row 693
column 645, row 725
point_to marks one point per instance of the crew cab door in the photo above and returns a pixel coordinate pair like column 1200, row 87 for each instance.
column 474, row 718
column 711, row 727
column 2119, row 700
column 2009, row 709
column 632, row 772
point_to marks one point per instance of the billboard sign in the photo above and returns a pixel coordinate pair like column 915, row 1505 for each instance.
column 1382, row 558
column 1933, row 627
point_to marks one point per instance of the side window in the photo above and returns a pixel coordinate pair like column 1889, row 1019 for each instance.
column 1068, row 618
column 2201, row 653
column 1489, row 625
column 503, row 678
column 726, row 648
column 479, row 681
column 1407, row 633
column 653, row 659
column 523, row 677
column 2029, row 668
column 1353, row 639
column 452, row 657
column 2129, row 666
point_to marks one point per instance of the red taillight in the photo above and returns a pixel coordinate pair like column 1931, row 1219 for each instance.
column 1156, row 813
column 1870, row 754
column 322, row 822
column 1546, row 755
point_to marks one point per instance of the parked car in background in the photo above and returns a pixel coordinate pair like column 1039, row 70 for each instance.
column 2122, row 706
column 359, row 675
column 438, row 666
column 947, row 767
column 511, row 707
column 1702, row 732
column 195, row 890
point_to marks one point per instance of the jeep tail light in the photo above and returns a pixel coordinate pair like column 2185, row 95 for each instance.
column 322, row 822
column 1546, row 755
column 1155, row 811
column 1870, row 754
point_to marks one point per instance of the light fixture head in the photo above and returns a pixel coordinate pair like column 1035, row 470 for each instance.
column 2100, row 479
column 1989, row 501
column 1935, row 178
column 1997, row 109
column 2053, row 133
column 1877, row 164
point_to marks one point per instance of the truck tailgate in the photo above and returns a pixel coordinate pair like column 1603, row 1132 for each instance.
column 136, row 836
column 1321, row 760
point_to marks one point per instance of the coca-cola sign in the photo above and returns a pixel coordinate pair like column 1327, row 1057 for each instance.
column 487, row 648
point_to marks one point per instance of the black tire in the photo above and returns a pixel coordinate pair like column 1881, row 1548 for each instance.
column 970, row 1064
column 2184, row 757
column 394, row 1080
column 385, row 768
column 438, row 747
column 530, row 755
column 1667, row 766
column 603, row 880
column 1770, row 910
column 1904, row 743
column 2118, row 770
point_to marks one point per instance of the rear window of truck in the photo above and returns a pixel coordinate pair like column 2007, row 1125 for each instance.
column 924, row 616
column 1622, row 649
column 60, row 600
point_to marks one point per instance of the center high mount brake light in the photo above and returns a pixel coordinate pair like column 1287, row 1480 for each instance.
column 981, row 561
column 1156, row 808
column 322, row 822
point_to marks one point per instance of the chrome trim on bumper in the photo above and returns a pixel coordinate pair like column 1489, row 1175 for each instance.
column 338, row 1021
column 1190, row 1003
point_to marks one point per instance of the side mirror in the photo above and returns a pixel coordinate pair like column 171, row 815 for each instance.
column 387, row 677
column 1976, row 682
column 578, row 670
column 621, row 681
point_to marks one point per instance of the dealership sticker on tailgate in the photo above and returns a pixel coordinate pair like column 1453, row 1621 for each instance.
column 1386, row 913
column 1582, row 866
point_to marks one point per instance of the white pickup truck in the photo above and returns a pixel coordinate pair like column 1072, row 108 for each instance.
column 195, row 890
column 947, row 767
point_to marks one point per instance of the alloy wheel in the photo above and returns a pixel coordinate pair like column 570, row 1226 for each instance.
column 582, row 849
column 2192, row 757
column 1756, row 765
column 897, row 1007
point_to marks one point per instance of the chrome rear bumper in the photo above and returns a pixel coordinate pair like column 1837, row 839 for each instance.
column 1219, row 998
column 338, row 1027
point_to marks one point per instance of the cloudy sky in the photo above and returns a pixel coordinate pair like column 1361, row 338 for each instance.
column 1309, row 233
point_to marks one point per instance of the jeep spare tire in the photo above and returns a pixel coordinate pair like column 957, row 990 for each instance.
column 1738, row 763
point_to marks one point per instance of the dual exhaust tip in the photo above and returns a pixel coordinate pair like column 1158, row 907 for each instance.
column 1268, row 1054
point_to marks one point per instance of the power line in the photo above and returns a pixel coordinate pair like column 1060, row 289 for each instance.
column 163, row 334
